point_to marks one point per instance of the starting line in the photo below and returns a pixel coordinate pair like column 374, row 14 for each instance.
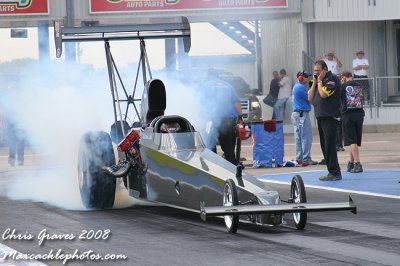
column 380, row 183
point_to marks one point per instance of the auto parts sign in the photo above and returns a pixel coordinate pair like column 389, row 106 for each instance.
column 104, row 6
column 24, row 7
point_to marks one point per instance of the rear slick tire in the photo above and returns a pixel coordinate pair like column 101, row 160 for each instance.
column 230, row 198
column 298, row 195
column 97, row 189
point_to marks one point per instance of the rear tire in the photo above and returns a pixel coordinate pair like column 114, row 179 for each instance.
column 230, row 198
column 97, row 189
column 298, row 195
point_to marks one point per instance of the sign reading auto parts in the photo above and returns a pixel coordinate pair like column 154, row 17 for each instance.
column 103, row 6
column 24, row 7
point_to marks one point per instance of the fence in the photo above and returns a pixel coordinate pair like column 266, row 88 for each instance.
column 388, row 91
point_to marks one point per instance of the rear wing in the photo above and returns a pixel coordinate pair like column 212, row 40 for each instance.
column 168, row 28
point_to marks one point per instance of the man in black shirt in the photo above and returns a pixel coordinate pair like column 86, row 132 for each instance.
column 274, row 85
column 353, row 119
column 274, row 89
column 324, row 94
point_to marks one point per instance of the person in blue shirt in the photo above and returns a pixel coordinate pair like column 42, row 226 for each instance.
column 222, row 104
column 301, row 120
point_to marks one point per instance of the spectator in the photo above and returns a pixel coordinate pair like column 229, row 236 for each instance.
column 16, row 143
column 360, row 68
column 274, row 88
column 353, row 119
column 274, row 85
column 225, row 112
column 14, row 133
column 331, row 61
column 325, row 96
column 285, row 91
column 301, row 120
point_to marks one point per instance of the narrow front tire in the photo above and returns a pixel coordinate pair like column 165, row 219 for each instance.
column 230, row 198
column 298, row 195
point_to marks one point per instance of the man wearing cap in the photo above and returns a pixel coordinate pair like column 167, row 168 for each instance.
column 331, row 61
column 301, row 120
column 324, row 94
column 360, row 71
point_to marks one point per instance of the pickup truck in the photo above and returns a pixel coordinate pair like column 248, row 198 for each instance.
column 251, row 107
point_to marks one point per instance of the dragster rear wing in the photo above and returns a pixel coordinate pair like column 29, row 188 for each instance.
column 170, row 28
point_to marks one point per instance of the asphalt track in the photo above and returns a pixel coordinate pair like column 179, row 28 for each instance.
column 153, row 235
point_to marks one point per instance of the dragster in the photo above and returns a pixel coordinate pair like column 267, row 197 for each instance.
column 164, row 160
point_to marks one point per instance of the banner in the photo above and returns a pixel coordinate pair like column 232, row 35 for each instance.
column 105, row 6
column 24, row 7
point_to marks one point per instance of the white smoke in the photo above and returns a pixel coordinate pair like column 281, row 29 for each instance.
column 190, row 100
column 55, row 105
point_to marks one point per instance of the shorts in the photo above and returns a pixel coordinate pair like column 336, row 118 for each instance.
column 352, row 124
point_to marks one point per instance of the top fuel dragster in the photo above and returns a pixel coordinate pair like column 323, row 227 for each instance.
column 165, row 160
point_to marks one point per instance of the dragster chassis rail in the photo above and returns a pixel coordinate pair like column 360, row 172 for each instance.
column 278, row 208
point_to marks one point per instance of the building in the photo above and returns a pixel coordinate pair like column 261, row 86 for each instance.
column 344, row 27
column 291, row 34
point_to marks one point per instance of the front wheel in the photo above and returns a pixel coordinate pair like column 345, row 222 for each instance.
column 298, row 195
column 97, row 189
column 230, row 198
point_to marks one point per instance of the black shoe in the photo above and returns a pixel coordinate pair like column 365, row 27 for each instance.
column 322, row 162
column 118, row 170
column 357, row 168
column 330, row 177
column 350, row 166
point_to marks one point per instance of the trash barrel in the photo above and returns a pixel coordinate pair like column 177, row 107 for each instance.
column 268, row 143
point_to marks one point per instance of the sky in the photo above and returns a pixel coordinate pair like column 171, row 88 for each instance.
column 203, row 43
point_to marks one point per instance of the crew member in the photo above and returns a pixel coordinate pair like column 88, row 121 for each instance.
column 324, row 94
column 301, row 120
column 353, row 119
column 222, row 104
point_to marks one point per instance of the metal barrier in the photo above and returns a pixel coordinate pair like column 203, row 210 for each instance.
column 389, row 91
column 368, row 86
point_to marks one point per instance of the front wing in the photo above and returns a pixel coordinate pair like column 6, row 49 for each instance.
column 278, row 208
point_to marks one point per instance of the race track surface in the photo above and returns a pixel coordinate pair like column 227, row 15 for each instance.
column 154, row 235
